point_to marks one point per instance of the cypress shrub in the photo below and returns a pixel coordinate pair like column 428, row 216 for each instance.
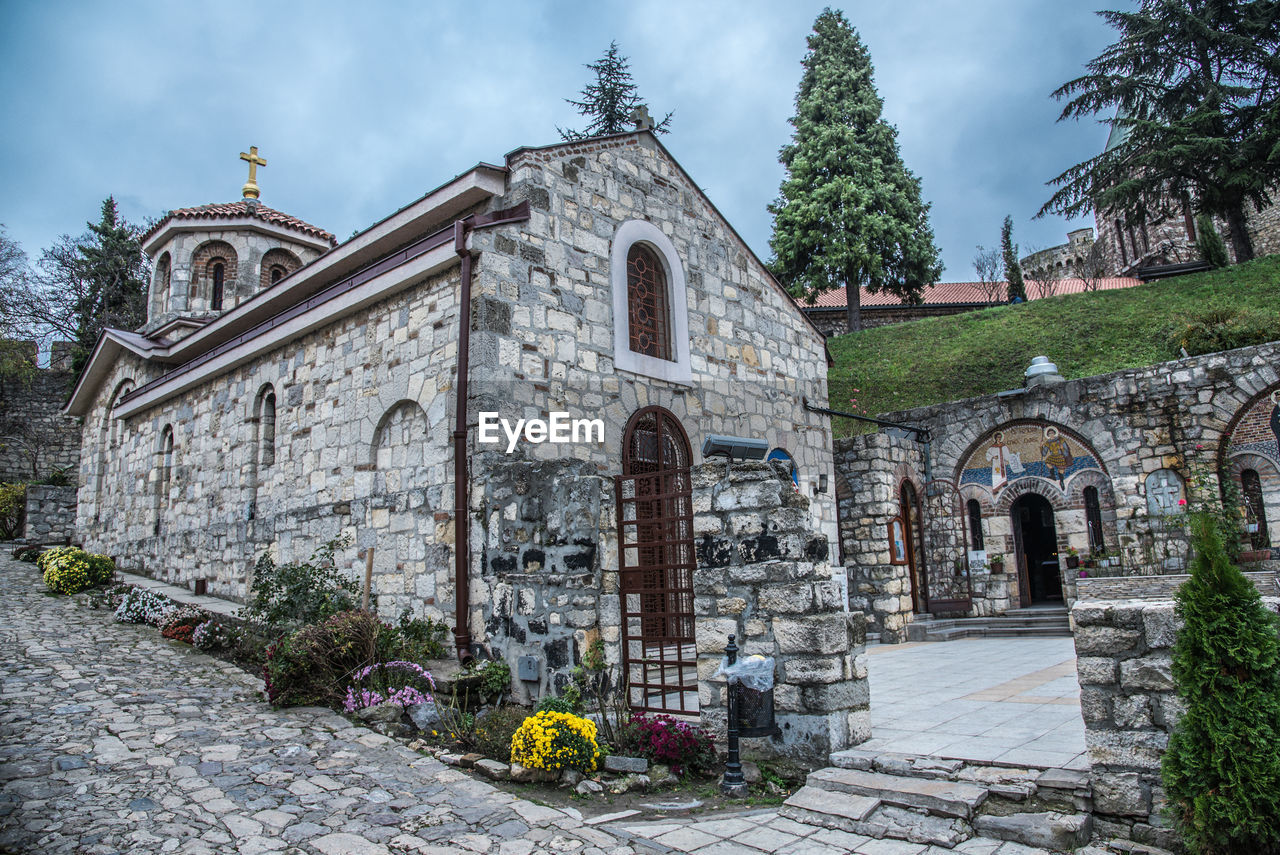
column 1222, row 769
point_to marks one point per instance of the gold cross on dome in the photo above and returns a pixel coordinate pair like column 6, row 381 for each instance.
column 250, row 188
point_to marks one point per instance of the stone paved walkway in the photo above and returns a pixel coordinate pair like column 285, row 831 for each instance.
column 114, row 740
column 1004, row 700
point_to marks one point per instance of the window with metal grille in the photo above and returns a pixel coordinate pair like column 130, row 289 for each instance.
column 975, row 525
column 1255, row 509
column 648, row 316
column 1093, row 519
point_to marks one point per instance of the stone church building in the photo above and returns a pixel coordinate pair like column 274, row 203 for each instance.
column 287, row 389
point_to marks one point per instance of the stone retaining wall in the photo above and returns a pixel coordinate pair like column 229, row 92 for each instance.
column 763, row 576
column 1127, row 698
column 50, row 514
column 35, row 437
column 1159, row 587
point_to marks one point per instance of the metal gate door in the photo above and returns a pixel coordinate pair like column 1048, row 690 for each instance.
column 656, row 561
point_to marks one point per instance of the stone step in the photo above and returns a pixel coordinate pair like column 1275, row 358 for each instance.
column 1046, row 830
column 936, row 796
column 868, row 816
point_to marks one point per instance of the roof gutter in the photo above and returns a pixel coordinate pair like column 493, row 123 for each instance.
column 461, row 472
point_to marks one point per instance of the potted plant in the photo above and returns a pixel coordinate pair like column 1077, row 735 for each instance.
column 996, row 563
column 1073, row 557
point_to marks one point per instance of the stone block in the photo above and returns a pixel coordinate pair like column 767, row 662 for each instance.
column 1126, row 749
column 1151, row 672
column 808, row 671
column 1095, row 704
column 1047, row 830
column 786, row 599
column 622, row 764
column 818, row 634
column 1161, row 625
column 1133, row 711
column 1105, row 640
column 835, row 697
column 1121, row 794
column 712, row 634
column 1096, row 670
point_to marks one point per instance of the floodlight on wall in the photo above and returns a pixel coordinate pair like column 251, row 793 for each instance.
column 734, row 447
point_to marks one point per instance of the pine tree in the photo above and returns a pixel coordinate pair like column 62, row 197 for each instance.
column 611, row 100
column 849, row 213
column 110, row 263
column 1012, row 269
column 1209, row 243
column 1194, row 88
column 1222, row 768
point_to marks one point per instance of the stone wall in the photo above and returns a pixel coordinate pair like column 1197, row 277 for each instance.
column 50, row 515
column 1159, row 587
column 35, row 437
column 836, row 321
column 1129, row 704
column 764, row 577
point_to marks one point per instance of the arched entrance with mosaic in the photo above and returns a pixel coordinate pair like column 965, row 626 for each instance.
column 1034, row 494
column 1252, row 455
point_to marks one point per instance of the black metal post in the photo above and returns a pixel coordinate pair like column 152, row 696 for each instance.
column 733, row 784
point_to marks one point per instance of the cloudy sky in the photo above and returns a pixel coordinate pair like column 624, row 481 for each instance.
column 361, row 107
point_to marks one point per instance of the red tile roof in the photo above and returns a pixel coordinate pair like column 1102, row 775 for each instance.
column 218, row 210
column 950, row 293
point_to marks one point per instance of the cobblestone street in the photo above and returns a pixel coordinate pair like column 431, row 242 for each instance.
column 115, row 740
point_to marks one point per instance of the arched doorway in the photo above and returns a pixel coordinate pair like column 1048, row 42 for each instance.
column 913, row 536
column 1035, row 536
column 656, row 563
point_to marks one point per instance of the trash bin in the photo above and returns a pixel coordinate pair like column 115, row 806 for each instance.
column 752, row 681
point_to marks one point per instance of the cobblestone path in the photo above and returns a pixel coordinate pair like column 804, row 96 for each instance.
column 114, row 740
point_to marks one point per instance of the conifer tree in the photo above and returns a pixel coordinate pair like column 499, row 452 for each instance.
column 1192, row 90
column 1222, row 767
column 1012, row 269
column 114, row 270
column 848, row 214
column 610, row 100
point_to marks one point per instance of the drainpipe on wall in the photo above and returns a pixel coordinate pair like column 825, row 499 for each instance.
column 461, row 473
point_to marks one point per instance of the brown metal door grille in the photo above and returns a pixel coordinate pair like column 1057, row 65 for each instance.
column 656, row 563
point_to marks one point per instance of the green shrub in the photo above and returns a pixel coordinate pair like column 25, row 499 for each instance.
column 30, row 554
column 315, row 664
column 421, row 638
column 551, row 703
column 287, row 596
column 13, row 504
column 101, row 568
column 1219, row 328
column 1222, row 769
column 495, row 731
column 1210, row 244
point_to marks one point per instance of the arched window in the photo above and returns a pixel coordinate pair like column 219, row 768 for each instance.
column 976, row 541
column 277, row 263
column 1255, row 509
column 650, row 304
column 160, row 284
column 218, row 276
column 784, row 457
column 166, row 463
column 267, row 429
column 1093, row 520
column 648, row 316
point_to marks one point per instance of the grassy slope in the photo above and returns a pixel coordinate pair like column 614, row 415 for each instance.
column 978, row 353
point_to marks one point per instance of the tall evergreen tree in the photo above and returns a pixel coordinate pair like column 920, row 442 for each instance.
column 848, row 213
column 113, row 266
column 1222, row 768
column 1012, row 269
column 1194, row 88
column 610, row 100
